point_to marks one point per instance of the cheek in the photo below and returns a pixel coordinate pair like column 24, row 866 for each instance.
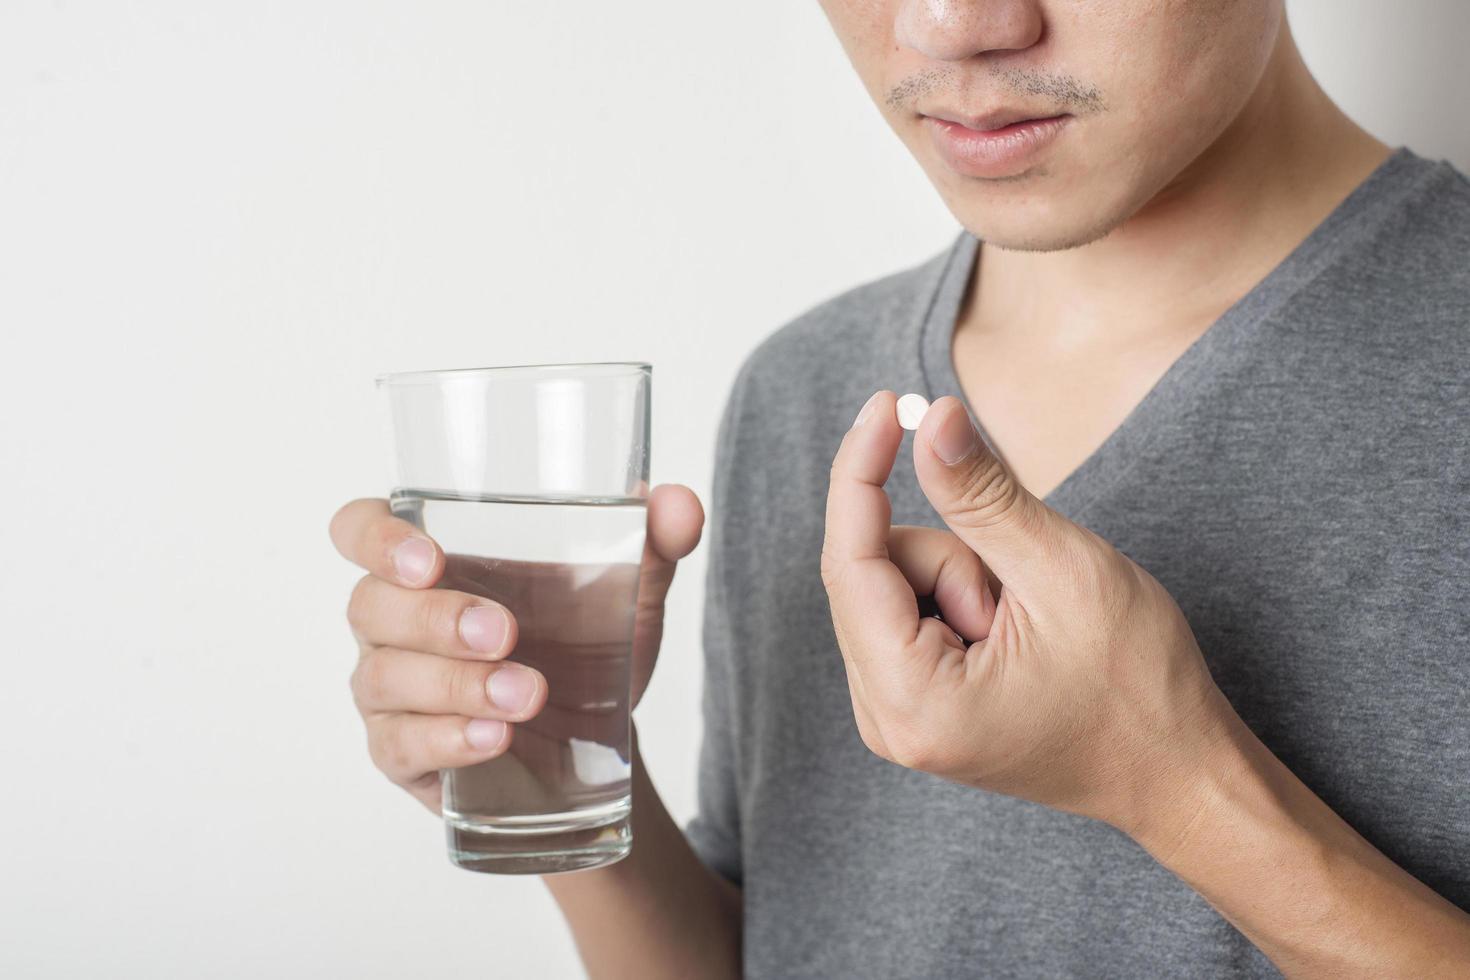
column 1173, row 74
column 861, row 25
column 1196, row 61
column 864, row 28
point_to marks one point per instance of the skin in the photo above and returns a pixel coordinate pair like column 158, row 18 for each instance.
column 1131, row 136
column 1199, row 153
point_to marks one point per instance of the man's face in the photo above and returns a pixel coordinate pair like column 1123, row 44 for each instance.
column 1142, row 89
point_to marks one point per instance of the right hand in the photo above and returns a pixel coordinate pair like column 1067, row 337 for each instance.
column 423, row 682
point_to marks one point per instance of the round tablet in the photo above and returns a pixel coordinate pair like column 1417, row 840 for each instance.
column 911, row 409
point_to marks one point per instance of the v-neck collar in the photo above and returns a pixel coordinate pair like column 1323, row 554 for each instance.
column 1353, row 217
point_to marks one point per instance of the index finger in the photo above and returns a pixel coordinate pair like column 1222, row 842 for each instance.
column 873, row 607
column 366, row 533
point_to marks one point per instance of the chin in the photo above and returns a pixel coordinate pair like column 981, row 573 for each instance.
column 1078, row 190
column 1045, row 211
column 1034, row 226
column 1046, row 240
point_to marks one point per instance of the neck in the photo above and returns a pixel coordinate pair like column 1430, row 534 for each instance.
column 1201, row 243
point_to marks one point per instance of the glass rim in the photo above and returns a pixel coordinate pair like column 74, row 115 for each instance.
column 570, row 368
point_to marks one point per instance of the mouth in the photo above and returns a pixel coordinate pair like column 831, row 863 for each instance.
column 991, row 121
column 996, row 145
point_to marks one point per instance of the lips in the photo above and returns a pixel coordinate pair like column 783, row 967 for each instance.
column 998, row 119
column 1002, row 144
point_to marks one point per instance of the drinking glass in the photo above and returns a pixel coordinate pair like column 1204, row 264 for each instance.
column 534, row 481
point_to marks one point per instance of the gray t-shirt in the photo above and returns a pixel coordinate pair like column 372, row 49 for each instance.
column 1299, row 480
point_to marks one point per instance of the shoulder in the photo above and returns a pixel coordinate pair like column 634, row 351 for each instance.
column 1424, row 246
column 1394, row 284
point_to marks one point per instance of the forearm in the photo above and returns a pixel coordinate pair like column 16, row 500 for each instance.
column 659, row 912
column 1300, row 883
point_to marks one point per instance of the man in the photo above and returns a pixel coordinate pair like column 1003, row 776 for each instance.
column 1161, row 672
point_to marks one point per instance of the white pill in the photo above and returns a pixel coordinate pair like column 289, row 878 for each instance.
column 911, row 409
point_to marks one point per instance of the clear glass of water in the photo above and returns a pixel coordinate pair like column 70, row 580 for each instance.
column 534, row 481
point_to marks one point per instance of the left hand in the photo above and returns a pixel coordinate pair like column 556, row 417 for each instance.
column 1062, row 672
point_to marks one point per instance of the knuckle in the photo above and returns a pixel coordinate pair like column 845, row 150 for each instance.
column 649, row 614
column 358, row 604
column 368, row 682
column 426, row 790
column 649, row 623
column 988, row 494
column 337, row 525
column 834, row 469
column 831, row 568
column 391, row 751
column 436, row 618
column 649, row 607
column 465, row 688
column 400, row 755
column 340, row 526
column 913, row 748
column 828, row 569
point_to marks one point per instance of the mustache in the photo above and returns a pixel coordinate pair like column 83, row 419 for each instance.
column 1068, row 92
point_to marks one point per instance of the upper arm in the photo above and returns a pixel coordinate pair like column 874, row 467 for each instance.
column 715, row 831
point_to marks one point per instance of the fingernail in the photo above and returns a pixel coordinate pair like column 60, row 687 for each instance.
column 867, row 410
column 483, row 628
column 956, row 437
column 413, row 559
column 512, row 687
column 482, row 733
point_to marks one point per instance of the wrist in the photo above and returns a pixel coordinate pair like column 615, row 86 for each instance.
column 1292, row 875
column 1194, row 774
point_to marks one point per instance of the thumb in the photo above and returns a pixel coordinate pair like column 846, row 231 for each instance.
column 675, row 519
column 979, row 497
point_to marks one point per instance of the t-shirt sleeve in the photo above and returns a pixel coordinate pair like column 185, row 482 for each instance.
column 714, row 831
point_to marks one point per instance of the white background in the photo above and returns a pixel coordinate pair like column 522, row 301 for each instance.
column 217, row 223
